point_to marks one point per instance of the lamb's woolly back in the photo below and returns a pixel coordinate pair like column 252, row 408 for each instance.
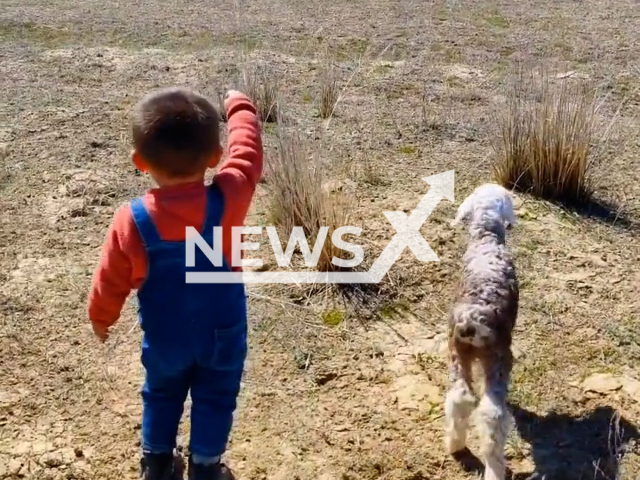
column 489, row 283
column 488, row 210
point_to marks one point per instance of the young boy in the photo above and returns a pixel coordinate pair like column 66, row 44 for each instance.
column 194, row 335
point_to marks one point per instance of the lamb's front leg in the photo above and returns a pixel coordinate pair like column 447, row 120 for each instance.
column 459, row 402
column 493, row 416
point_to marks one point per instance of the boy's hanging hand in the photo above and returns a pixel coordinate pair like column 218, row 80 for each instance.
column 100, row 331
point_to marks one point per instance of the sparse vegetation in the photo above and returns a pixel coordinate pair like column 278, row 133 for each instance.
column 329, row 93
column 428, row 117
column 372, row 173
column 220, row 106
column 337, row 213
column 545, row 146
column 497, row 20
column 262, row 87
column 295, row 180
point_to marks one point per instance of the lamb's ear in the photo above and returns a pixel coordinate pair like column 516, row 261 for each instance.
column 509, row 214
column 510, row 222
column 460, row 218
column 464, row 212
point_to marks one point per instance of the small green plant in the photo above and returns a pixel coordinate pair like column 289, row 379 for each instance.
column 495, row 19
column 407, row 149
column 498, row 21
column 36, row 33
column 391, row 309
column 249, row 44
column 268, row 128
column 306, row 97
column 333, row 318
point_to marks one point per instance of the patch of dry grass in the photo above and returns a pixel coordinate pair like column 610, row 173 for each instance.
column 329, row 93
column 298, row 198
column 337, row 213
column 428, row 115
column 545, row 146
column 295, row 182
column 372, row 173
column 262, row 87
column 222, row 112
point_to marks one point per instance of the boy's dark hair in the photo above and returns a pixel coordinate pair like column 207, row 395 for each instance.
column 176, row 131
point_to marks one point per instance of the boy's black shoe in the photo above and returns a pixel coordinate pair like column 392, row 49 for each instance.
column 214, row 471
column 160, row 466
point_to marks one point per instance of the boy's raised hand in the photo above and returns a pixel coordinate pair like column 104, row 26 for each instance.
column 230, row 96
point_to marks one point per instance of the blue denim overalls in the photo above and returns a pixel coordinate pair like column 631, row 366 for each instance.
column 195, row 338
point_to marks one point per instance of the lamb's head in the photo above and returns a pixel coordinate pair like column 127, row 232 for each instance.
column 488, row 209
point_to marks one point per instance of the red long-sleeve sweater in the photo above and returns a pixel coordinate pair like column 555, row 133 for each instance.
column 123, row 265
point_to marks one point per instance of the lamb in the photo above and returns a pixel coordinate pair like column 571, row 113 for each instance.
column 480, row 328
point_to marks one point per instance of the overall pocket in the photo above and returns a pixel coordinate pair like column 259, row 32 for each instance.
column 230, row 348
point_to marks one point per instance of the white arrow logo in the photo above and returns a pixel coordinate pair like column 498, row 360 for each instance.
column 407, row 235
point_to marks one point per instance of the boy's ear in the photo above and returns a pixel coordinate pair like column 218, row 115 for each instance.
column 217, row 156
column 139, row 162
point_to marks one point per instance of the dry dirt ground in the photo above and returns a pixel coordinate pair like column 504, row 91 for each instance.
column 332, row 391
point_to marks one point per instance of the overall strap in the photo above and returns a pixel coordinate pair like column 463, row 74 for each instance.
column 215, row 207
column 146, row 227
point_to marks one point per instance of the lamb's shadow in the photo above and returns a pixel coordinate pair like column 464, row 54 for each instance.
column 569, row 448
column 605, row 212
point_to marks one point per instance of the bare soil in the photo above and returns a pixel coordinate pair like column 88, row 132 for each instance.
column 331, row 391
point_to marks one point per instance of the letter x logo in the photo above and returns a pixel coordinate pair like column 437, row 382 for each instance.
column 408, row 227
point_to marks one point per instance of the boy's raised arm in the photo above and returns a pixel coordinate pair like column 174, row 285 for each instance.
column 238, row 176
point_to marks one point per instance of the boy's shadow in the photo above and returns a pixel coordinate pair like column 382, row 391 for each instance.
column 568, row 448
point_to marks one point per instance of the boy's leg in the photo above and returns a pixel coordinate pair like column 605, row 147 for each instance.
column 163, row 397
column 214, row 395
column 214, row 391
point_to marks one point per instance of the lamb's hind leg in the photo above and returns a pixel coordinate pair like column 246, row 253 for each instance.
column 459, row 402
column 493, row 416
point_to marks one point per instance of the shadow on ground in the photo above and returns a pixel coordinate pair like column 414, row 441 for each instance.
column 606, row 212
column 568, row 448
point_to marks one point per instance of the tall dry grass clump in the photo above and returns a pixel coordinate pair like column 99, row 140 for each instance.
column 220, row 105
column 545, row 146
column 329, row 93
column 337, row 213
column 295, row 181
column 261, row 86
